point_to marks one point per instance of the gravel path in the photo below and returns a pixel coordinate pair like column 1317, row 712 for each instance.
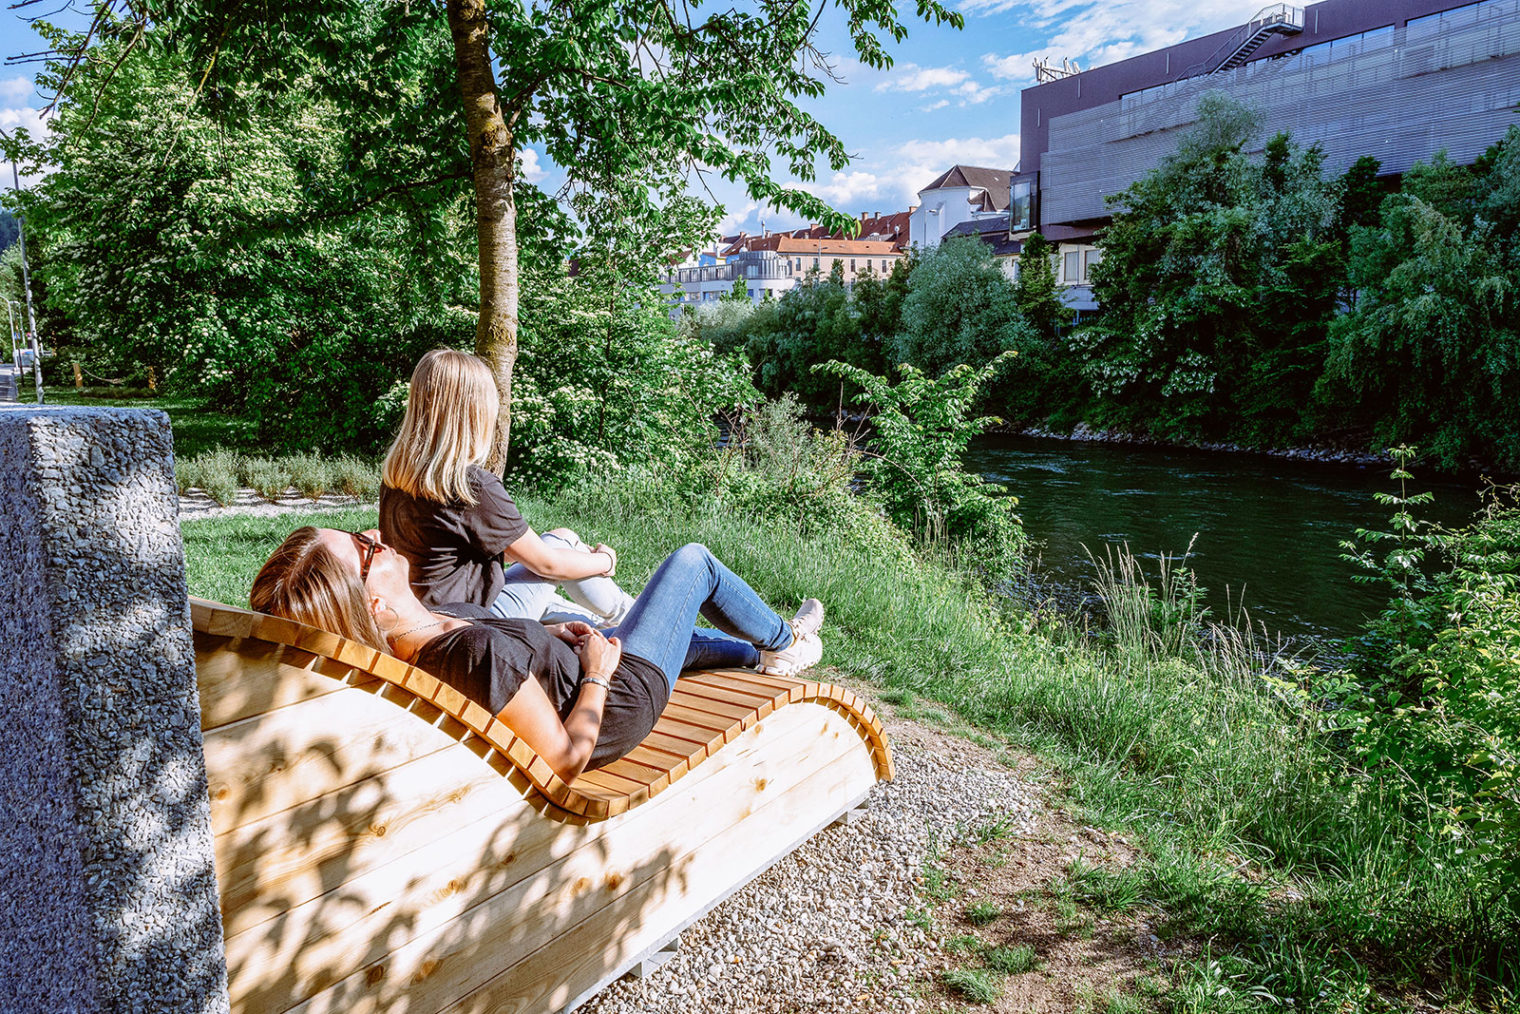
column 195, row 505
column 828, row 927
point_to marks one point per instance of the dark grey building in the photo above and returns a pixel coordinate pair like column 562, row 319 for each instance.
column 1395, row 79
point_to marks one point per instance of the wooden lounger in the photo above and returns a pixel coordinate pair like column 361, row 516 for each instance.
column 384, row 844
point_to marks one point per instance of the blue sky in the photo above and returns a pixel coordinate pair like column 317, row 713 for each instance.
column 952, row 96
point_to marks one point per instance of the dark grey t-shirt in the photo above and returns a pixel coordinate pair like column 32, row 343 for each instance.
column 489, row 660
column 455, row 550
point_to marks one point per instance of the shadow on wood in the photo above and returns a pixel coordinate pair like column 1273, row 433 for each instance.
column 382, row 844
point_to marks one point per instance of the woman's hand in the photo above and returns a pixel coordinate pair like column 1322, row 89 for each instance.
column 599, row 655
column 571, row 633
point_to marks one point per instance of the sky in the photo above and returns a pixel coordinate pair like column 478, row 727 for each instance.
column 951, row 96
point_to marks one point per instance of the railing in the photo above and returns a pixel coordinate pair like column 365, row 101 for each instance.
column 728, row 272
column 1282, row 18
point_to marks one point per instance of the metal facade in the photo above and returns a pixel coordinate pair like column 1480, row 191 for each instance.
column 1401, row 97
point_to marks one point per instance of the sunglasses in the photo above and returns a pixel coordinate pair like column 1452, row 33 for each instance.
column 368, row 547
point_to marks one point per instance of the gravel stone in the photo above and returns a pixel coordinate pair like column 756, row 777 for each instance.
column 827, row 928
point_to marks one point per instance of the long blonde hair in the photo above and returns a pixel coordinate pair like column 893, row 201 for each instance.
column 305, row 581
column 449, row 424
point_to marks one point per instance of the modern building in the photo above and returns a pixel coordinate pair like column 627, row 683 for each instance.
column 766, row 274
column 1395, row 79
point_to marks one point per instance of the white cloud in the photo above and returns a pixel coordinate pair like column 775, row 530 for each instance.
column 847, row 188
column 919, row 162
column 1095, row 34
column 941, row 104
column 910, row 77
column 730, row 223
column 532, row 170
column 15, row 88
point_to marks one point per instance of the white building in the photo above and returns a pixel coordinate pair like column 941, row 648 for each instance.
column 963, row 194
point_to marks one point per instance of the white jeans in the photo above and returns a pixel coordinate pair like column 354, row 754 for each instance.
column 596, row 600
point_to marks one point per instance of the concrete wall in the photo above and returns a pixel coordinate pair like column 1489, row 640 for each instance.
column 108, row 897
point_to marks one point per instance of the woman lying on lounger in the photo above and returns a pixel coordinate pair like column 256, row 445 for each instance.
column 580, row 699
column 455, row 522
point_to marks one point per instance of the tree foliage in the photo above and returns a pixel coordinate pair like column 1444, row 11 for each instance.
column 1211, row 283
column 1431, row 352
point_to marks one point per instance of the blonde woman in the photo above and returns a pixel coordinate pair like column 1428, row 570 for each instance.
column 457, row 526
column 579, row 698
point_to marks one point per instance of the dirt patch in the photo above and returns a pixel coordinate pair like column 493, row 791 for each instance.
column 995, row 896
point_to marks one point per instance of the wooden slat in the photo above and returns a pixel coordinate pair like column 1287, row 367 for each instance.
column 706, row 711
column 744, row 809
column 515, row 862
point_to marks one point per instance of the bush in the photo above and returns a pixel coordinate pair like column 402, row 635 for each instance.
column 267, row 477
column 311, row 475
column 776, row 467
column 215, row 473
column 356, row 477
column 923, row 427
column 1440, row 670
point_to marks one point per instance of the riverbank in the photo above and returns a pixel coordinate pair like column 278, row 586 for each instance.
column 1289, row 869
column 1083, row 433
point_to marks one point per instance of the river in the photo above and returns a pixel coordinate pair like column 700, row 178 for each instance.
column 1268, row 529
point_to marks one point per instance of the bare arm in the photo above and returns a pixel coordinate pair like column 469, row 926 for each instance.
column 567, row 746
column 557, row 564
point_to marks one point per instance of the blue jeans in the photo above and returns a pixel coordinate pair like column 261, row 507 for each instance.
column 690, row 582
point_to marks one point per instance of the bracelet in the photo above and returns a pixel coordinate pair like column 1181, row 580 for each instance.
column 611, row 563
column 598, row 681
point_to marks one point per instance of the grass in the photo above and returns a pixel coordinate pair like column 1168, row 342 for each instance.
column 1014, row 960
column 974, row 984
column 197, row 429
column 1308, row 880
column 983, row 912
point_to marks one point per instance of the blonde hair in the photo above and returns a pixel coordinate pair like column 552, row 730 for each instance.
column 305, row 581
column 449, row 424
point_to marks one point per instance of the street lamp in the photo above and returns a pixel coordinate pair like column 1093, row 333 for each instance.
column 15, row 345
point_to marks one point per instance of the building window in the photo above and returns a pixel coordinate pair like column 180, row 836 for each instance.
column 815, row 263
column 751, row 295
column 1073, row 266
column 883, row 267
column 852, row 265
column 1021, row 212
column 799, row 263
column 1090, row 258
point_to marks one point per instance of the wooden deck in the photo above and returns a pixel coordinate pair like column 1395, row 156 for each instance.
column 384, row 844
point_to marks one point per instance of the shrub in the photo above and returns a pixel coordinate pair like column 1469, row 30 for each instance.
column 356, row 477
column 777, row 467
column 216, row 473
column 311, row 475
column 1440, row 671
column 923, row 427
column 267, row 477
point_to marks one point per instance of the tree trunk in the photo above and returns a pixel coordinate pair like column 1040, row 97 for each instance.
column 492, row 158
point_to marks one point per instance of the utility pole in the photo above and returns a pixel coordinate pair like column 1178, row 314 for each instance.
column 26, row 283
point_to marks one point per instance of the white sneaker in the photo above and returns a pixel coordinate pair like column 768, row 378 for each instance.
column 803, row 654
column 809, row 618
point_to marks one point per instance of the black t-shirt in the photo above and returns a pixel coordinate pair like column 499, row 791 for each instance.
column 455, row 550
column 489, row 660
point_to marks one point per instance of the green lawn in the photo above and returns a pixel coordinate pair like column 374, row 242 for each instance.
column 196, row 428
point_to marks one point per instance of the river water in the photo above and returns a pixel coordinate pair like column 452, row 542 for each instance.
column 1268, row 529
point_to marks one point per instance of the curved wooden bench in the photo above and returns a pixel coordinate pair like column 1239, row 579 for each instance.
column 383, row 843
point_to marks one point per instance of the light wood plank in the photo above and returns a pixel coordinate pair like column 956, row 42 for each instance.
column 431, row 969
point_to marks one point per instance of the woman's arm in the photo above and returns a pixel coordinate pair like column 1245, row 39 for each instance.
column 557, row 564
column 567, row 746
